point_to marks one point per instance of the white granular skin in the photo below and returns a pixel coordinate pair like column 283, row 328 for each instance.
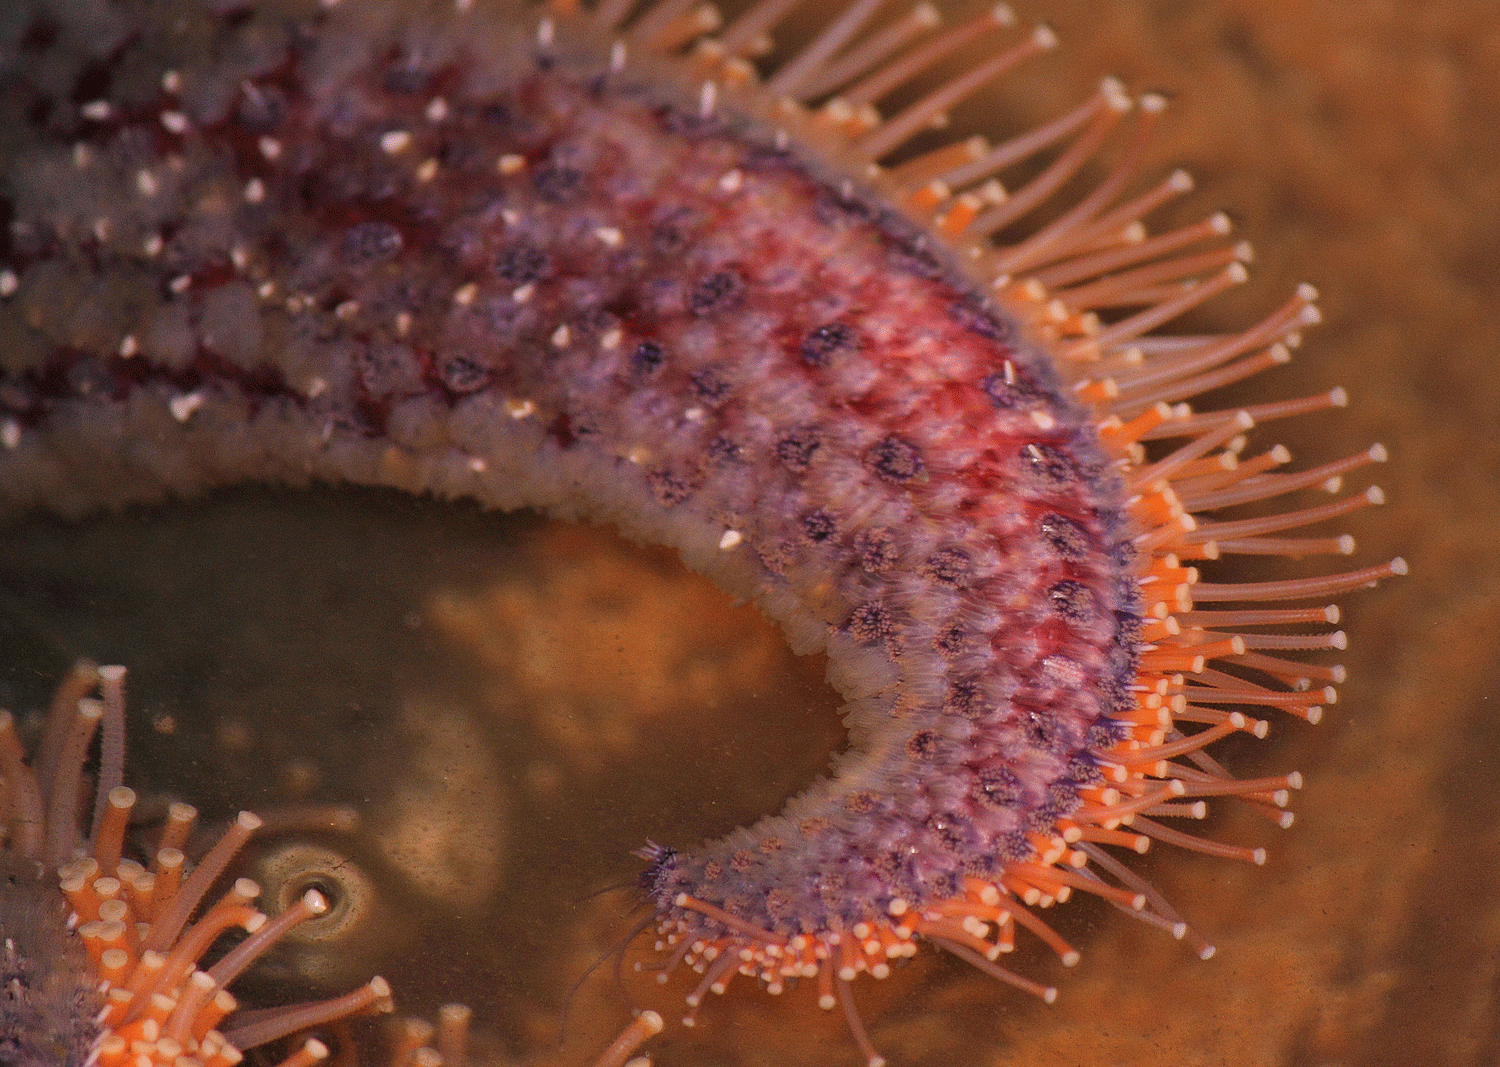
column 301, row 244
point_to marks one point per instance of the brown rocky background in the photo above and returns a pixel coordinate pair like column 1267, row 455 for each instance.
column 514, row 705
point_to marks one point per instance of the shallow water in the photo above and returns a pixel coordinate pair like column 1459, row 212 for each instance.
column 363, row 648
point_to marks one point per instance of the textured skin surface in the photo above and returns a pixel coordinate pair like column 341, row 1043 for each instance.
column 1400, row 242
column 47, row 998
column 344, row 257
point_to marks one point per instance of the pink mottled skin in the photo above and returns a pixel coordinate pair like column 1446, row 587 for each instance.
column 386, row 252
column 50, row 997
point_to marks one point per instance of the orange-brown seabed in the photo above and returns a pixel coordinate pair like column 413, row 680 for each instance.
column 1353, row 143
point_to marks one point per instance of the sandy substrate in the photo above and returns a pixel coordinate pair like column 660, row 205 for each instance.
column 514, row 706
